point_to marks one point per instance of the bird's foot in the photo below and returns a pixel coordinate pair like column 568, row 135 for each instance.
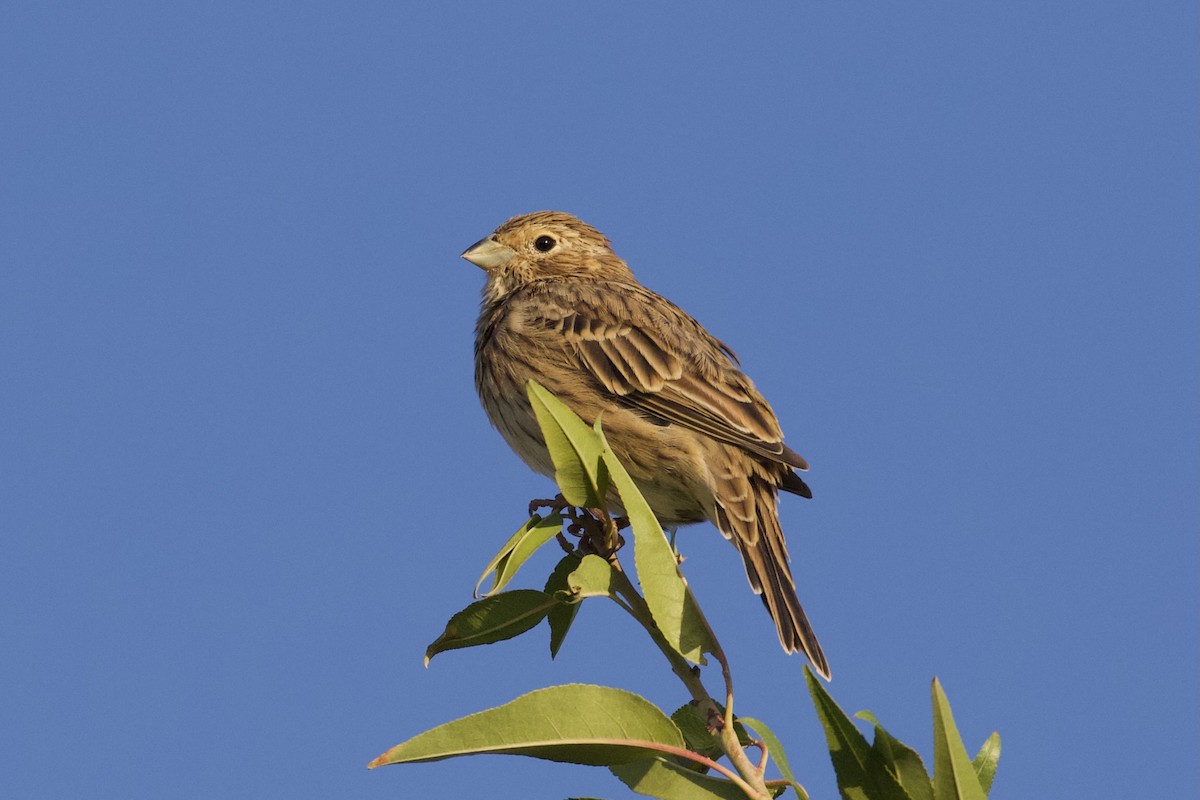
column 598, row 531
column 557, row 505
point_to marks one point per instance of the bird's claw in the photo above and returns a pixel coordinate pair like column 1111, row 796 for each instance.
column 596, row 529
column 557, row 505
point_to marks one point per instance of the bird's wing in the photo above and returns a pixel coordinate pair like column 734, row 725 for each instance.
column 655, row 358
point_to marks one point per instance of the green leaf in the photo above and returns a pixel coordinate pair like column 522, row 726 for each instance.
column 592, row 578
column 987, row 760
column 954, row 776
column 847, row 747
column 517, row 550
column 669, row 781
column 666, row 592
column 775, row 749
column 693, row 724
column 493, row 619
column 574, row 449
column 861, row 773
column 902, row 761
column 563, row 613
column 576, row 723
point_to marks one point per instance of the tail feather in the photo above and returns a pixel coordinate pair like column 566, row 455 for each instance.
column 750, row 519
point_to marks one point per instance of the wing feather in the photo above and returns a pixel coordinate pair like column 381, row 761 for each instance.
column 659, row 360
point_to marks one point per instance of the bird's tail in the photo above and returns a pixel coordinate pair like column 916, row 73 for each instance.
column 748, row 516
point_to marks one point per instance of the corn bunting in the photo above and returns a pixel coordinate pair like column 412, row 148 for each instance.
column 562, row 308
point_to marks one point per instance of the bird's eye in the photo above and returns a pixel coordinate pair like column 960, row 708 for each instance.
column 544, row 244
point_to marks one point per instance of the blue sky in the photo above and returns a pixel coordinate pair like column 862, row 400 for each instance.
column 244, row 478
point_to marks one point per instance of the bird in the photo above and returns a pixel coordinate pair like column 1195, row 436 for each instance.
column 699, row 440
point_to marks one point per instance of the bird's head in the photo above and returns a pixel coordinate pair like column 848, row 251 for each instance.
column 544, row 244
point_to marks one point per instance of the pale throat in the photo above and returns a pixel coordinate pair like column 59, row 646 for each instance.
column 499, row 286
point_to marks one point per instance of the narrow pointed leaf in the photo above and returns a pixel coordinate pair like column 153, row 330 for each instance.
column 574, row 449
column 986, row 761
column 517, row 550
column 954, row 776
column 848, row 748
column 671, row 604
column 576, row 723
column 775, row 750
column 902, row 761
column 669, row 781
column 493, row 619
column 861, row 774
column 563, row 614
column 505, row 550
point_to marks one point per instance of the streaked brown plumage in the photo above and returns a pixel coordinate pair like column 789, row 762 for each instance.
column 560, row 307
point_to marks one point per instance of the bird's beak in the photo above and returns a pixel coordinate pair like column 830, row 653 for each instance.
column 488, row 254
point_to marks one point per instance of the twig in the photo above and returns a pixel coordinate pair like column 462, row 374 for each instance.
column 752, row 778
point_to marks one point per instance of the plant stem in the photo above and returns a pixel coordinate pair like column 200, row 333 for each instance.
column 752, row 778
